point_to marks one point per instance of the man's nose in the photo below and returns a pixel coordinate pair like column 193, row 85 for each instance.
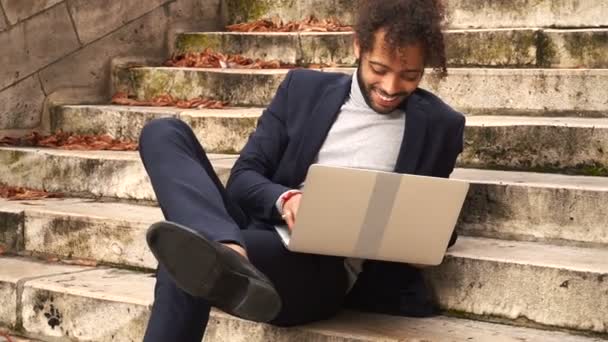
column 390, row 85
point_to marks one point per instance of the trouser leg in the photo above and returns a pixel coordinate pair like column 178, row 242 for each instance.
column 189, row 193
column 311, row 287
column 187, row 188
column 176, row 315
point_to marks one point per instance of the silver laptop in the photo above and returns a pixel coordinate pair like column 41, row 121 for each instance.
column 375, row 215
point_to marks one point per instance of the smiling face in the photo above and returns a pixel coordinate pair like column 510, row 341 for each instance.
column 387, row 76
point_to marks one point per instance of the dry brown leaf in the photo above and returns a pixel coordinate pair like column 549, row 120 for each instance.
column 5, row 336
column 211, row 59
column 168, row 100
column 275, row 24
column 69, row 141
column 13, row 193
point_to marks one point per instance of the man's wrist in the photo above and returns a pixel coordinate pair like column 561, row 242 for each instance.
column 280, row 203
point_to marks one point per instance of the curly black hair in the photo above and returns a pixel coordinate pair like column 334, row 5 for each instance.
column 405, row 22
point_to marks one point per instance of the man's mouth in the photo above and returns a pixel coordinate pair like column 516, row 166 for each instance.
column 388, row 101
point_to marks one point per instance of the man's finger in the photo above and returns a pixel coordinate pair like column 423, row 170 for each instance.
column 289, row 219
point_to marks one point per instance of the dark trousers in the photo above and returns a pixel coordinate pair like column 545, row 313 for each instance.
column 311, row 287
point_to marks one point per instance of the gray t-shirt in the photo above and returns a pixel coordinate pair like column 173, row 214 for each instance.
column 361, row 138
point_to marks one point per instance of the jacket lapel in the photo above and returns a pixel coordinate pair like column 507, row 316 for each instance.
column 318, row 125
column 415, row 132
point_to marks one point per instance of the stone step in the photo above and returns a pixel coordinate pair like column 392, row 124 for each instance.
column 557, row 92
column 14, row 338
column 562, row 210
column 574, row 145
column 584, row 48
column 106, row 232
column 221, row 130
column 551, row 208
column 67, row 302
column 566, row 145
column 86, row 173
column 460, row 13
column 526, row 282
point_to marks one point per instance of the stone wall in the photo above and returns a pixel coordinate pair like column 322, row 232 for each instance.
column 61, row 51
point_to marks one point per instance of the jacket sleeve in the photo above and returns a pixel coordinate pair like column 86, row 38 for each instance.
column 249, row 183
column 453, row 148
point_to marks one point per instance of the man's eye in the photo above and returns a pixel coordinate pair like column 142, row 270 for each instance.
column 378, row 72
column 411, row 76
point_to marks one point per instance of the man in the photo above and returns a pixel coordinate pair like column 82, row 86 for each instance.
column 225, row 251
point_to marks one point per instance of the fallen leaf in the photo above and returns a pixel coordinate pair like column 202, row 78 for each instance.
column 6, row 336
column 168, row 100
column 13, row 193
column 69, row 141
column 275, row 24
column 211, row 59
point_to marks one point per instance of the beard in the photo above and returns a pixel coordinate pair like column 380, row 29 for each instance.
column 367, row 90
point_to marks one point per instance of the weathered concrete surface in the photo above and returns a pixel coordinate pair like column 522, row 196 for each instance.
column 297, row 48
column 550, row 285
column 193, row 16
column 100, row 305
column 220, row 131
column 18, row 111
column 90, row 66
column 238, row 87
column 96, row 173
column 118, row 121
column 63, row 96
column 30, row 50
column 550, row 208
column 577, row 48
column 242, row 11
column 11, row 227
column 19, row 339
column 92, row 20
column 504, row 48
column 571, row 145
column 575, row 145
column 526, row 13
column 17, row 10
column 72, row 306
column 120, row 73
column 474, row 91
column 3, row 23
column 464, row 48
column 89, row 173
column 460, row 13
column 585, row 48
column 85, row 229
column 15, row 270
column 362, row 327
column 120, row 299
column 508, row 91
column 557, row 209
column 107, row 232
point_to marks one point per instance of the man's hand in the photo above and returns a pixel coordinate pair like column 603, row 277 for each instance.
column 290, row 210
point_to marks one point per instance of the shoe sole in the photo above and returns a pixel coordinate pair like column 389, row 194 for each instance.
column 214, row 278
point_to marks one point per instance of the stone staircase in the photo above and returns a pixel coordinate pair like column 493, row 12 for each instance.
column 532, row 262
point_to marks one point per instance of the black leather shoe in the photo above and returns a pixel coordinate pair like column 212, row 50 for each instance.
column 210, row 270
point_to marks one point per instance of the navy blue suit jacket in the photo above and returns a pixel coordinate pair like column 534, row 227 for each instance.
column 288, row 137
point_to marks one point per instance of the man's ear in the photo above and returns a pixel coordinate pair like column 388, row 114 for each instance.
column 357, row 48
